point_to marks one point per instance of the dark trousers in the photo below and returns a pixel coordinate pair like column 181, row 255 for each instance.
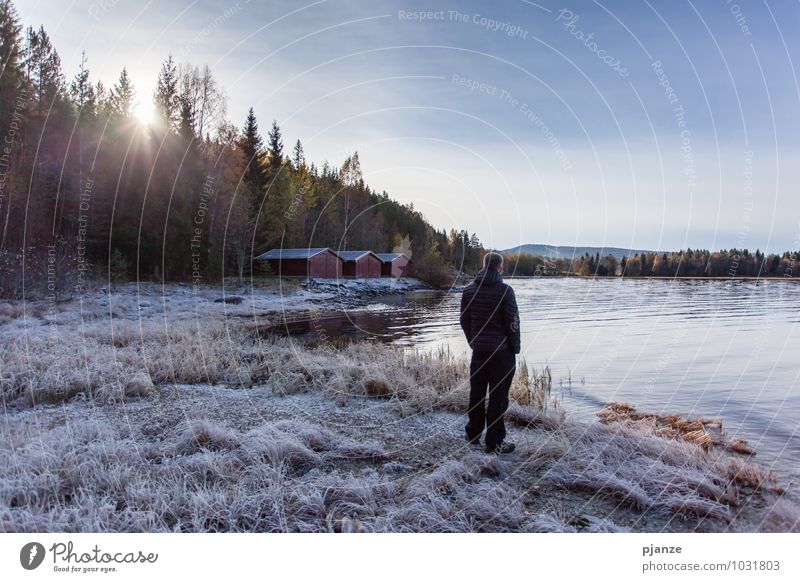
column 492, row 373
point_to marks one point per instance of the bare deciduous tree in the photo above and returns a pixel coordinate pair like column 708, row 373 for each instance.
column 207, row 100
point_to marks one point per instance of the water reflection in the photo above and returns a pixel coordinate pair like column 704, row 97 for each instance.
column 415, row 319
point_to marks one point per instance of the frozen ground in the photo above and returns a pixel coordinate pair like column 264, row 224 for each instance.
column 172, row 302
column 202, row 458
column 146, row 413
column 347, row 290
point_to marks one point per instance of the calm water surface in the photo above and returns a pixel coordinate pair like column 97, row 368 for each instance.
column 712, row 348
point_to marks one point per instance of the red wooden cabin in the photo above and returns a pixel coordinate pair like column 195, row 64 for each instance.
column 320, row 263
column 360, row 264
column 396, row 265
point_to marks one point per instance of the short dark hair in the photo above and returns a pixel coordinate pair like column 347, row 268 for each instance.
column 492, row 261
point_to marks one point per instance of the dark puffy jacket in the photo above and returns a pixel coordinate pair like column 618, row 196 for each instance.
column 489, row 313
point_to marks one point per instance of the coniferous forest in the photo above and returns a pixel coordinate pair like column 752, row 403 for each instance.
column 685, row 263
column 87, row 190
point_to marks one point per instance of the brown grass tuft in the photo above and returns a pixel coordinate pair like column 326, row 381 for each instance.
column 703, row 432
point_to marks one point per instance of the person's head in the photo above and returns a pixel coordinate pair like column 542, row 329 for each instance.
column 493, row 262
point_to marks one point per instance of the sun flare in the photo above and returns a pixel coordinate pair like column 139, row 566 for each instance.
column 144, row 113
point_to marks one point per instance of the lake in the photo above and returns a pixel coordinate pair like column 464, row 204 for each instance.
column 727, row 349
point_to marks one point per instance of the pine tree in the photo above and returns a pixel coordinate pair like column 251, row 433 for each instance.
column 82, row 93
column 103, row 99
column 255, row 177
column 298, row 158
column 10, row 54
column 186, row 121
column 166, row 96
column 43, row 69
column 776, row 263
column 275, row 147
column 122, row 96
column 611, row 265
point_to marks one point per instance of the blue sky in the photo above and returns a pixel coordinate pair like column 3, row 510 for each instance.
column 505, row 118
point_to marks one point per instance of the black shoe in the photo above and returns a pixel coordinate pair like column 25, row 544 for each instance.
column 474, row 441
column 502, row 449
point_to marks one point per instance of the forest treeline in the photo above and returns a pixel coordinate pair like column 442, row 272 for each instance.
column 87, row 190
column 685, row 263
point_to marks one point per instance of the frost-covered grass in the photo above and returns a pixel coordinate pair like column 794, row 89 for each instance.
column 205, row 425
column 277, row 477
column 109, row 364
column 144, row 470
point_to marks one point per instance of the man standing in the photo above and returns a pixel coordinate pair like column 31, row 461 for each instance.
column 490, row 320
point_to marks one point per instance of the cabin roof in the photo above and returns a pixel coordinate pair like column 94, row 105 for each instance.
column 305, row 253
column 354, row 255
column 389, row 257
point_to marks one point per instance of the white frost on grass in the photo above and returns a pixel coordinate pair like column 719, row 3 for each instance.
column 96, row 466
column 157, row 303
column 207, row 478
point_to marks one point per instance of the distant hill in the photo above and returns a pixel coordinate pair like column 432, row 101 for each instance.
column 560, row 252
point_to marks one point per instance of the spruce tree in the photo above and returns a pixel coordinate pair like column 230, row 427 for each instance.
column 122, row 96
column 43, row 66
column 11, row 75
column 82, row 93
column 186, row 121
column 298, row 158
column 275, row 147
column 166, row 96
column 255, row 177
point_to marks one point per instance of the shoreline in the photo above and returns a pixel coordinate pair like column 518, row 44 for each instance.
column 181, row 301
column 657, row 278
